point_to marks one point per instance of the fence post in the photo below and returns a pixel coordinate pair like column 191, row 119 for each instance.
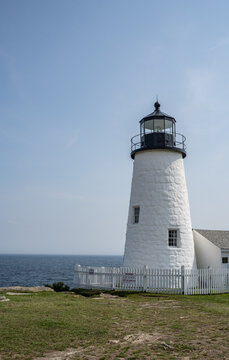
column 77, row 278
column 209, row 281
column 145, row 278
column 114, row 276
column 182, row 280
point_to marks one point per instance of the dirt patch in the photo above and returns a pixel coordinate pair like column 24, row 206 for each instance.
column 18, row 293
column 26, row 288
column 159, row 304
column 97, row 298
column 108, row 296
column 139, row 338
column 142, row 338
column 96, row 352
column 60, row 355
column 113, row 341
column 92, row 352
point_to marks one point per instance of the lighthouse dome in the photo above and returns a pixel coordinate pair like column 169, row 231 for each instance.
column 157, row 113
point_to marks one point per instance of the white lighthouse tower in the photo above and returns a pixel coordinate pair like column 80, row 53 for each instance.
column 159, row 230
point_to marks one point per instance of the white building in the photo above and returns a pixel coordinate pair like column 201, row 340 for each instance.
column 159, row 231
column 212, row 248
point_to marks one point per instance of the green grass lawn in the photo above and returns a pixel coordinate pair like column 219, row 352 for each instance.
column 138, row 326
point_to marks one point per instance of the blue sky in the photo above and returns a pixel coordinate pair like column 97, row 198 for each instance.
column 76, row 76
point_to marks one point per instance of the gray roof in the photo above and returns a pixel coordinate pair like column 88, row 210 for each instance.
column 219, row 238
column 158, row 113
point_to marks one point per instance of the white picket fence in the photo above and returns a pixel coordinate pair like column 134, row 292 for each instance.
column 162, row 281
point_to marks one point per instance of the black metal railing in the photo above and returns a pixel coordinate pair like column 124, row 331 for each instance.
column 139, row 142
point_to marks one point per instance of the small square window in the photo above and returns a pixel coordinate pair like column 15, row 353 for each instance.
column 172, row 239
column 136, row 213
column 225, row 260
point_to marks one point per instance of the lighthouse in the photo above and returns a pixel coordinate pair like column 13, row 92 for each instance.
column 159, row 231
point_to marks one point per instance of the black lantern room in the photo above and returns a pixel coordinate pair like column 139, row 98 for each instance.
column 158, row 131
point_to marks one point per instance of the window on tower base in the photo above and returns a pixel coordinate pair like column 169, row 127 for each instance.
column 136, row 213
column 172, row 237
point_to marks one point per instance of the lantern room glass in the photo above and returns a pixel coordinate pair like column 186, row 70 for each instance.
column 169, row 127
column 149, row 126
column 142, row 129
column 158, row 125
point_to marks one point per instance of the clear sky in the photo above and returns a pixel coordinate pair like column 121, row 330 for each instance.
column 76, row 76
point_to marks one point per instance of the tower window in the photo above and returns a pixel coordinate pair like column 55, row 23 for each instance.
column 172, row 240
column 136, row 213
column 225, row 260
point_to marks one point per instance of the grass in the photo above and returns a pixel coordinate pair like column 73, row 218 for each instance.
column 130, row 326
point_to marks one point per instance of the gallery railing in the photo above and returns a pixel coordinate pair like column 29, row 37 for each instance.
column 166, row 140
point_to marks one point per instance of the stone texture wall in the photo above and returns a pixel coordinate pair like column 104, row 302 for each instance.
column 159, row 188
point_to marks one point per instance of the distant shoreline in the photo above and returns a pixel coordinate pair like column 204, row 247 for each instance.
column 22, row 254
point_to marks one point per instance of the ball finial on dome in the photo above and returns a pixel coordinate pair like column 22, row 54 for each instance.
column 157, row 105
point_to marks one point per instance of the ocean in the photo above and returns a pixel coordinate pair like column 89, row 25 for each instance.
column 38, row 270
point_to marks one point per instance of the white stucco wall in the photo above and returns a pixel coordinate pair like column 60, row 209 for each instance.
column 159, row 188
column 207, row 254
